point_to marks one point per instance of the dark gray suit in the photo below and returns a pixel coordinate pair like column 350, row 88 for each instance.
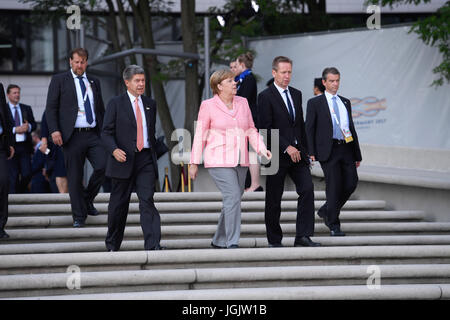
column 6, row 141
column 139, row 171
column 61, row 112
column 337, row 159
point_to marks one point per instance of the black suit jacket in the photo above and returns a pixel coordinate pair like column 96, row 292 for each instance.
column 319, row 128
column 6, row 138
column 248, row 89
column 62, row 104
column 120, row 131
column 27, row 114
column 273, row 114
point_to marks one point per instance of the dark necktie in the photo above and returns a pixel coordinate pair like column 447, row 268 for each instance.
column 291, row 110
column 16, row 117
column 87, row 103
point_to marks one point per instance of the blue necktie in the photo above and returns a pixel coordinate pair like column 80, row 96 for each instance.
column 337, row 133
column 87, row 103
column 291, row 110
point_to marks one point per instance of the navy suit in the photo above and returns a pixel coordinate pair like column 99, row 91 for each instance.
column 20, row 165
column 337, row 159
column 139, row 171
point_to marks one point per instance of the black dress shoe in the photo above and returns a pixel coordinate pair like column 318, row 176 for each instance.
column 275, row 245
column 217, row 247
column 158, row 247
column 92, row 211
column 337, row 233
column 233, row 246
column 259, row 189
column 78, row 224
column 3, row 234
column 306, row 242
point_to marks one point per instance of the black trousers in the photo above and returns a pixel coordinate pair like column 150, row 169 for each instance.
column 84, row 145
column 20, row 169
column 301, row 176
column 4, row 188
column 143, row 179
column 341, row 179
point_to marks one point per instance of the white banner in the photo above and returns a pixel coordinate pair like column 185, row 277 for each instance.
column 386, row 74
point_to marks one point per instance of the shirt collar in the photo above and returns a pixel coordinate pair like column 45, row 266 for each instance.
column 75, row 76
column 329, row 96
column 132, row 98
column 12, row 105
column 280, row 89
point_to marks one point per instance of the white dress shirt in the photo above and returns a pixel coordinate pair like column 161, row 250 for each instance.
column 81, row 116
column 283, row 95
column 343, row 113
column 20, row 137
column 144, row 120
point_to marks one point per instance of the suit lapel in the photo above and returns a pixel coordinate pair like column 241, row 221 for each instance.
column 297, row 108
column 129, row 110
column 280, row 101
column 148, row 114
column 326, row 109
column 72, row 89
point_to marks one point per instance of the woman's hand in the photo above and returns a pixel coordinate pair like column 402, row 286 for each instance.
column 193, row 171
column 268, row 154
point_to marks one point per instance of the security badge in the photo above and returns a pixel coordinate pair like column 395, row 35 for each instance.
column 347, row 135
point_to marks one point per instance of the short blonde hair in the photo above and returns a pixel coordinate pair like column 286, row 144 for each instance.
column 217, row 77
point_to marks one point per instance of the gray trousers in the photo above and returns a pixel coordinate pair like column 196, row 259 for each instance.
column 230, row 182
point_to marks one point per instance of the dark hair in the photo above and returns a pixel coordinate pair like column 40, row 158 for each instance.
column 82, row 52
column 318, row 83
column 271, row 80
column 12, row 86
column 247, row 59
column 328, row 70
column 279, row 59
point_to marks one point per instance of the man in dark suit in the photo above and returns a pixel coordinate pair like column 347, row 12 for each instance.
column 6, row 152
column 74, row 114
column 129, row 137
column 23, row 124
column 332, row 140
column 280, row 107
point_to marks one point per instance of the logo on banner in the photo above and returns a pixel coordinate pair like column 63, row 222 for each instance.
column 368, row 112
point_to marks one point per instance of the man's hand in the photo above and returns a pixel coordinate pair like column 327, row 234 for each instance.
column 312, row 158
column 11, row 153
column 294, row 154
column 193, row 171
column 22, row 128
column 120, row 155
column 57, row 138
column 44, row 145
column 357, row 163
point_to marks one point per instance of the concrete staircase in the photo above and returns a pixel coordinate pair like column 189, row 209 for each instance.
column 385, row 255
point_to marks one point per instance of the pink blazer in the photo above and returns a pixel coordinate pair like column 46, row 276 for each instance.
column 223, row 134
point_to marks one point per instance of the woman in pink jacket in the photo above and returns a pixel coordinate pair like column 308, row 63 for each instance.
column 224, row 128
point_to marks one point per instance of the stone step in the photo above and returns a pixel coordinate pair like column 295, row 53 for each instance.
column 210, row 217
column 261, row 242
column 45, row 209
column 46, row 198
column 354, row 292
column 214, row 258
column 207, row 231
column 218, row 278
